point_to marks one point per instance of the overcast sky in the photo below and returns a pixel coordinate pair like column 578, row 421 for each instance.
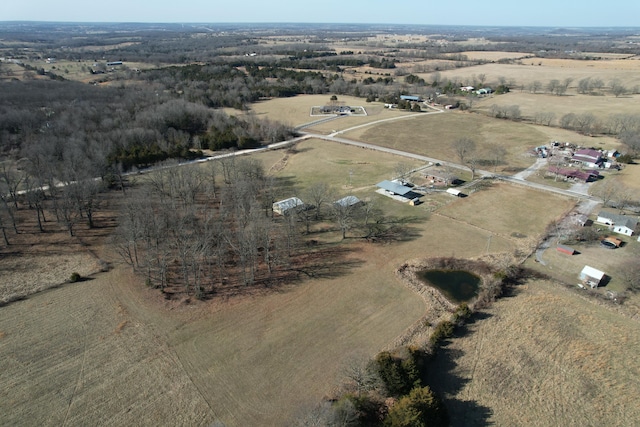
column 566, row 13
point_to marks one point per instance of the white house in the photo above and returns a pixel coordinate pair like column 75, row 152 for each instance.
column 591, row 276
column 283, row 206
column 621, row 224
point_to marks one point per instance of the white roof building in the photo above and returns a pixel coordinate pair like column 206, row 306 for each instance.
column 283, row 206
column 591, row 276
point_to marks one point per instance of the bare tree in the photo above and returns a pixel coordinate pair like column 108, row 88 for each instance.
column 617, row 88
column 607, row 191
column 11, row 178
column 585, row 123
column 319, row 193
column 401, row 170
column 344, row 215
column 465, row 149
column 496, row 154
column 629, row 273
column 535, row 86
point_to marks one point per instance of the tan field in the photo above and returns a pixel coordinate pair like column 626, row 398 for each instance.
column 433, row 135
column 296, row 111
column 251, row 360
column 602, row 107
column 546, row 357
column 522, row 75
column 493, row 55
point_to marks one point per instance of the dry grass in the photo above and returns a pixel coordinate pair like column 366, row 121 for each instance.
column 433, row 135
column 315, row 161
column 624, row 70
column 543, row 358
column 524, row 215
column 530, row 104
column 493, row 55
column 296, row 110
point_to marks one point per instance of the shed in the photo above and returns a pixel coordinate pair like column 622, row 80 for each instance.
column 566, row 249
column 283, row 206
column 455, row 192
column 591, row 276
column 410, row 98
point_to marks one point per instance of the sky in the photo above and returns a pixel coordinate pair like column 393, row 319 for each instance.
column 553, row 13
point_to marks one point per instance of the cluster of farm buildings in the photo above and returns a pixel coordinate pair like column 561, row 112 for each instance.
column 626, row 225
column 576, row 163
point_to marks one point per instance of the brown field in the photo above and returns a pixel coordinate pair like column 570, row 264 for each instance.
column 546, row 357
column 340, row 165
column 108, row 350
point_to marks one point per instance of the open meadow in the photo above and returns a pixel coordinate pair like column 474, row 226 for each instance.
column 433, row 135
column 545, row 356
column 545, row 70
column 531, row 104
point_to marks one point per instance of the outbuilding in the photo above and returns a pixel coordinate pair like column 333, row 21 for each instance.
column 455, row 192
column 591, row 276
column 348, row 201
column 566, row 249
column 282, row 207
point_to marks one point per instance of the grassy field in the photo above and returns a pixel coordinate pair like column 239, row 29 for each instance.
column 626, row 70
column 601, row 106
column 524, row 215
column 544, row 358
column 432, row 135
column 296, row 111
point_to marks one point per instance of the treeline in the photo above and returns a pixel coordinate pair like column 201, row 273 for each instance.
column 117, row 125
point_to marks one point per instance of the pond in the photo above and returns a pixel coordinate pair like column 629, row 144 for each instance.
column 457, row 285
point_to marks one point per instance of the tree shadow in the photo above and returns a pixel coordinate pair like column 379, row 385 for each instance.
column 443, row 378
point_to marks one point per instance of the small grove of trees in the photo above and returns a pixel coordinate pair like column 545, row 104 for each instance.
column 511, row 112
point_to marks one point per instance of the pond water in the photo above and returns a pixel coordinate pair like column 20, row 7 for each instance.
column 457, row 285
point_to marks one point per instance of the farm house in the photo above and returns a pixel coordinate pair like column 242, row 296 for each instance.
column 621, row 224
column 283, row 206
column 591, row 276
column 440, row 177
column 588, row 157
